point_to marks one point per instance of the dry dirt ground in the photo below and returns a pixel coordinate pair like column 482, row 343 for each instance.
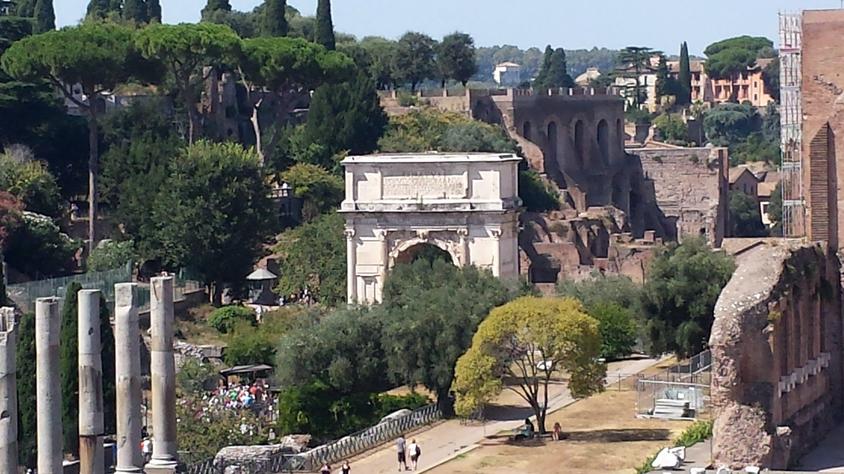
column 602, row 436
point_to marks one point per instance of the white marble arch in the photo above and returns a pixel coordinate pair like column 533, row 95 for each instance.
column 465, row 204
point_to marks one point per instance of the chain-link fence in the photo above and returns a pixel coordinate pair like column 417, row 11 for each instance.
column 680, row 392
column 333, row 452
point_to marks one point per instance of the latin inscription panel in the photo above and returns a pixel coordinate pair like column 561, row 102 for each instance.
column 424, row 185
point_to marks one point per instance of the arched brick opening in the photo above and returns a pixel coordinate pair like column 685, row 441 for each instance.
column 553, row 140
column 423, row 251
column 580, row 142
column 604, row 140
column 526, row 131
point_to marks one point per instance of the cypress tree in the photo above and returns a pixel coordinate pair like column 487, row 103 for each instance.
column 153, row 11
column 108, row 354
column 684, row 94
column 214, row 6
column 45, row 16
column 135, row 10
column 539, row 81
column 274, row 21
column 324, row 26
column 98, row 9
column 69, row 368
column 2, row 283
column 25, row 8
column 27, row 414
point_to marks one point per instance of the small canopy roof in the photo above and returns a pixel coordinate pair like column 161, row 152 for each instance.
column 245, row 369
column 261, row 274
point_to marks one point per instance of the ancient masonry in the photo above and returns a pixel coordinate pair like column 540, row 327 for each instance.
column 617, row 203
column 128, row 374
column 777, row 355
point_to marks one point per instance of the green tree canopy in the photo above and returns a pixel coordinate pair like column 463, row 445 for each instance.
column 102, row 9
column 214, row 213
column 214, row 6
column 345, row 117
column 775, row 210
column 381, row 53
column 27, row 411
column 527, row 341
column 734, row 55
column 413, row 62
column 274, row 19
column 25, row 8
column 430, row 323
column 745, row 216
column 39, row 249
column 554, row 73
column 324, row 34
column 30, row 182
column 456, row 58
column 287, row 67
column 682, row 286
column 314, row 258
column 135, row 11
column 96, row 55
column 427, row 129
column 320, row 190
column 728, row 124
column 153, row 11
column 185, row 51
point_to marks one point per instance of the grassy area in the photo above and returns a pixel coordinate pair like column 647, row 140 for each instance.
column 193, row 328
column 602, row 436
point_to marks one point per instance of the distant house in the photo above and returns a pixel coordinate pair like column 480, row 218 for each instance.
column 507, row 74
column 747, row 86
column 743, row 180
column 587, row 77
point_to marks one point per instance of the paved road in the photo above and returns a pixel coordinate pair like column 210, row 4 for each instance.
column 828, row 455
column 446, row 440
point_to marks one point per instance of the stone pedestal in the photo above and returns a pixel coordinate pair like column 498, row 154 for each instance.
column 48, row 397
column 163, row 372
column 8, row 391
column 127, row 337
column 91, row 456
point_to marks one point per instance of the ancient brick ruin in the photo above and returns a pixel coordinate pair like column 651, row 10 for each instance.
column 777, row 355
column 616, row 205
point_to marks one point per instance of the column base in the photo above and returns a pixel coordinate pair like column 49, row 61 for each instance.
column 128, row 470
column 161, row 467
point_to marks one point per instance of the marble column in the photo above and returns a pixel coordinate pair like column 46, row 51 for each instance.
column 91, row 455
column 163, row 372
column 8, row 391
column 496, row 267
column 48, row 396
column 127, row 337
column 464, row 246
column 384, row 250
column 351, row 268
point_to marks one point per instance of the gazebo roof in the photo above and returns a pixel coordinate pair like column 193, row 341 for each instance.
column 261, row 274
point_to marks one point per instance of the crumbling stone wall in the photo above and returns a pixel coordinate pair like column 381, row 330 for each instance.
column 692, row 189
column 776, row 353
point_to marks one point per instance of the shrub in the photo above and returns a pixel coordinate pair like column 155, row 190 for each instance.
column 249, row 345
column 618, row 330
column 671, row 128
column 195, row 376
column 110, row 255
column 537, row 195
column 391, row 403
column 699, row 431
column 226, row 318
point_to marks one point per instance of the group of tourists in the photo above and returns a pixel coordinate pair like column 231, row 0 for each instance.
column 344, row 469
column 404, row 450
column 255, row 396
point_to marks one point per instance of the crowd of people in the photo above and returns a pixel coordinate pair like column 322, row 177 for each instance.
column 255, row 396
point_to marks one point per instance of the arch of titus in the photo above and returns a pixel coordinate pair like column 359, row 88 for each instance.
column 464, row 204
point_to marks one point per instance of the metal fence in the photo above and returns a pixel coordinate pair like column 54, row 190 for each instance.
column 25, row 294
column 333, row 452
column 680, row 392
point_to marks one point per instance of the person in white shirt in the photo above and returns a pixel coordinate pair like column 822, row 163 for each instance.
column 414, row 451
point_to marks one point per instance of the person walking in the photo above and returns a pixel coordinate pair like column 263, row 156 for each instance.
column 146, row 449
column 415, row 451
column 401, row 446
column 345, row 468
column 325, row 469
column 558, row 430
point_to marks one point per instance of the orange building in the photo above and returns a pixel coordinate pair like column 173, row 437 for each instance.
column 747, row 86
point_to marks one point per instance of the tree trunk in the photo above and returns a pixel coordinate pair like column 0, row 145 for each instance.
column 216, row 294
column 256, row 127
column 93, row 171
column 193, row 114
column 540, row 421
column 445, row 403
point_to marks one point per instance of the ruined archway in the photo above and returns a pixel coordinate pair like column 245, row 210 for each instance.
column 580, row 142
column 423, row 251
column 553, row 140
column 526, row 131
column 603, row 136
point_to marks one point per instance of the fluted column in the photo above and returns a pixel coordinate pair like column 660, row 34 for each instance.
column 351, row 267
column 8, row 391
column 163, row 372
column 91, row 456
column 48, row 396
column 464, row 246
column 128, row 372
column 384, row 251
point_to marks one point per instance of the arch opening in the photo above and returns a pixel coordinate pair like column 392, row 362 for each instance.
column 580, row 142
column 423, row 251
column 526, row 131
column 604, row 140
column 551, row 159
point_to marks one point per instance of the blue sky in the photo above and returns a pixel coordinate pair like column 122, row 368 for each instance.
column 660, row 24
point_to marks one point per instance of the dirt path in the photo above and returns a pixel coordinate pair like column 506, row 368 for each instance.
column 448, row 440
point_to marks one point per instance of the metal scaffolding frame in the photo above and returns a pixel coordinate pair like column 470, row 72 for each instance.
column 791, row 123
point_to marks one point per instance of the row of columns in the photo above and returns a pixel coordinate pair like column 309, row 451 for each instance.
column 128, row 383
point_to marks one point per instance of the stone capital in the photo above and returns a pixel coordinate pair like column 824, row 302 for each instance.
column 350, row 233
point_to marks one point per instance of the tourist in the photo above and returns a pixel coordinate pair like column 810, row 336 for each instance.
column 146, row 449
column 345, row 468
column 400, row 449
column 415, row 451
column 557, row 431
column 325, row 469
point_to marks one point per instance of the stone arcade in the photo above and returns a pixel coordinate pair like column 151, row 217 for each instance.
column 397, row 205
column 128, row 375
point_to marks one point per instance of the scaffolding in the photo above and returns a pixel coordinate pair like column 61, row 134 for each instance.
column 791, row 121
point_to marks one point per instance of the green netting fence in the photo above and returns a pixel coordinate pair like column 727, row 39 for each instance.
column 25, row 294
